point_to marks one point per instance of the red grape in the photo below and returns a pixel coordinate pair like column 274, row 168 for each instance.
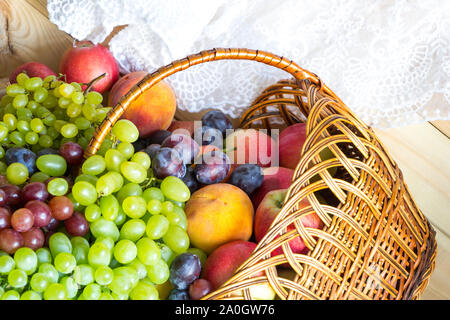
column 72, row 152
column 199, row 288
column 22, row 220
column 62, row 207
column 41, row 212
column 13, row 194
column 10, row 240
column 5, row 218
column 2, row 198
column 77, row 225
column 35, row 191
column 33, row 238
column 53, row 224
column 48, row 234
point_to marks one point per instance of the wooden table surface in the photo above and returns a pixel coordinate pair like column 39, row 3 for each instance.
column 422, row 151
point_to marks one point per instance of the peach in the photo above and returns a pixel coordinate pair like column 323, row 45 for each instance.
column 251, row 146
column 290, row 143
column 274, row 178
column 268, row 209
column 151, row 111
column 217, row 214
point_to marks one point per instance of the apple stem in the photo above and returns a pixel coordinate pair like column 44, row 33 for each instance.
column 91, row 84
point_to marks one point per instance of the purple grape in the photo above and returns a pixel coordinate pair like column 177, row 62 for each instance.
column 35, row 191
column 140, row 144
column 248, row 177
column 46, row 151
column 207, row 135
column 214, row 168
column 176, row 294
column 152, row 149
column 218, row 120
column 41, row 212
column 189, row 179
column 157, row 137
column 13, row 194
column 2, row 198
column 72, row 152
column 185, row 145
column 5, row 218
column 184, row 270
column 168, row 162
column 22, row 155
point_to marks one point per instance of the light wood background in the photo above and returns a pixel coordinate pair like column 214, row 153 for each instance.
column 422, row 151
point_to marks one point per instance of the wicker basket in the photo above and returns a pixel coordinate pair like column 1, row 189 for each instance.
column 375, row 244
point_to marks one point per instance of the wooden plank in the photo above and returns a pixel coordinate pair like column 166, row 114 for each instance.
column 28, row 35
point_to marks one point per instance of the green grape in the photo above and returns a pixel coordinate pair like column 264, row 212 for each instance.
column 144, row 291
column 103, row 275
column 177, row 203
column 77, row 97
column 2, row 152
column 39, row 282
column 174, row 188
column 83, row 274
column 7, row 264
column 200, row 254
column 63, row 103
column 105, row 228
column 87, row 177
column 125, row 130
column 99, row 255
column 24, row 114
column 126, row 149
column 129, row 189
column 69, row 130
column 94, row 165
column 66, row 90
column 58, row 124
column 147, row 251
column 71, row 286
column 157, row 226
column 17, row 173
column 58, row 243
column 51, row 132
column 142, row 158
column 43, row 256
column 134, row 206
column 14, row 89
column 31, row 138
column 89, row 132
column 33, row 83
column 73, row 110
column 167, row 207
column 65, row 262
column 20, row 101
column 23, row 126
column 50, row 78
column 118, row 180
column 92, row 212
column 124, row 280
column 94, row 97
column 83, row 142
column 84, row 192
column 101, row 114
column 158, row 272
column 139, row 267
column 10, row 121
column 82, row 123
column 55, row 291
column 114, row 159
column 39, row 177
column 176, row 239
column 50, row 102
column 179, row 217
column 58, row 187
column 33, row 106
column 3, row 132
column 106, row 184
column 36, row 125
column 10, row 295
column 52, row 164
column 121, row 217
column 17, row 138
column 105, row 146
column 107, row 241
column 80, row 249
column 154, row 206
column 45, row 141
column 22, row 78
column 132, row 229
column 26, row 260
column 30, row 295
column 125, row 251
column 166, row 253
column 106, row 296
column 50, row 272
column 109, row 207
column 88, row 111
column 92, row 292
column 9, row 109
column 40, row 94
column 17, row 278
column 3, row 167
column 133, row 171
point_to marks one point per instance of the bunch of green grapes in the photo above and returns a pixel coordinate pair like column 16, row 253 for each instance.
column 44, row 113
column 137, row 228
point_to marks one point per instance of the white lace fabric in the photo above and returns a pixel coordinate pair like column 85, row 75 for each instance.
column 389, row 61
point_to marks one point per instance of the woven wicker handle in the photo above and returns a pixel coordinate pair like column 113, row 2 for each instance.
column 204, row 56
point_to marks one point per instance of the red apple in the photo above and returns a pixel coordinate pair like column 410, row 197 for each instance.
column 275, row 178
column 223, row 262
column 85, row 61
column 32, row 69
column 251, row 146
column 153, row 110
column 291, row 142
column 267, row 211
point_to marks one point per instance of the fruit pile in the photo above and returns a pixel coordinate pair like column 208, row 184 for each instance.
column 165, row 209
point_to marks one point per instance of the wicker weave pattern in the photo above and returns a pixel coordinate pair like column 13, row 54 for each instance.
column 376, row 244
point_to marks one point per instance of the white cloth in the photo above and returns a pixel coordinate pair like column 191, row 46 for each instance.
column 389, row 61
